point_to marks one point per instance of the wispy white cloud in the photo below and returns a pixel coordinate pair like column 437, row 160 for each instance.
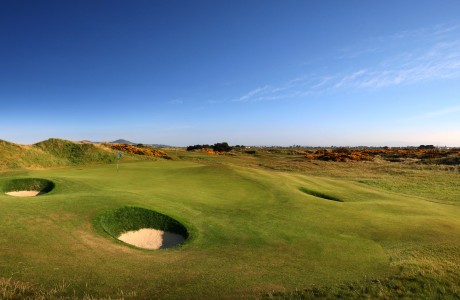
column 254, row 93
column 436, row 114
column 436, row 58
column 350, row 79
column 438, row 31
column 441, row 61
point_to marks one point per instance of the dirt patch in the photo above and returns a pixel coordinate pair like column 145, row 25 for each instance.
column 24, row 193
column 148, row 238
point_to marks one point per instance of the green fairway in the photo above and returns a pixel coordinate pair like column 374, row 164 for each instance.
column 251, row 231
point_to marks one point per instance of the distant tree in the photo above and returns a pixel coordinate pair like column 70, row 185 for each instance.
column 426, row 147
column 342, row 150
column 221, row 147
column 198, row 147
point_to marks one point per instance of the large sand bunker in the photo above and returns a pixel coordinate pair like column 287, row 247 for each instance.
column 28, row 187
column 153, row 239
column 143, row 228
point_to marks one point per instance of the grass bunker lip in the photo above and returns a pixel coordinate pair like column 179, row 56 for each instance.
column 28, row 187
column 319, row 194
column 143, row 228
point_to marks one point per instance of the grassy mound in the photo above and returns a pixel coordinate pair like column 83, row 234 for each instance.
column 29, row 184
column 128, row 218
column 14, row 156
column 76, row 153
column 59, row 152
column 319, row 194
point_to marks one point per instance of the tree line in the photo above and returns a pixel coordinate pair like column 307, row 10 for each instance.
column 218, row 147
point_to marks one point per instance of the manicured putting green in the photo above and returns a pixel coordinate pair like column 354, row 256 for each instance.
column 143, row 228
column 28, row 187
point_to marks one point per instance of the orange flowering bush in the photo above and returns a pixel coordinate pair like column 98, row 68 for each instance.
column 139, row 151
column 210, row 151
column 396, row 155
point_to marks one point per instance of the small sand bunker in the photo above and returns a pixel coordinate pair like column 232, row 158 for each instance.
column 28, row 187
column 143, row 228
column 152, row 239
column 24, row 193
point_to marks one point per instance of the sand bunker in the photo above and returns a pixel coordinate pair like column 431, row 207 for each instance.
column 24, row 193
column 143, row 228
column 152, row 239
column 28, row 187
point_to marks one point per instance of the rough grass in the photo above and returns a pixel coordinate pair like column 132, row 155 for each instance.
column 59, row 153
column 13, row 156
column 76, row 153
column 15, row 290
column 423, row 272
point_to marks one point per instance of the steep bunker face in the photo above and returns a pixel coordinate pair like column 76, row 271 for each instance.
column 143, row 228
column 28, row 187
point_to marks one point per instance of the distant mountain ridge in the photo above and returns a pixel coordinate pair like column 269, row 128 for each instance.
column 123, row 141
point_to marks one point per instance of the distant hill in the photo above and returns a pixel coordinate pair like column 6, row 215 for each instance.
column 122, row 141
column 158, row 145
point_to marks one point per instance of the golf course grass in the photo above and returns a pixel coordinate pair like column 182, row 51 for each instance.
column 252, row 232
column 40, row 185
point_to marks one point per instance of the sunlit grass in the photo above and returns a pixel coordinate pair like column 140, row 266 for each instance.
column 254, row 233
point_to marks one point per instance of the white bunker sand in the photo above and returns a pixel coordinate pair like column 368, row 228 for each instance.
column 152, row 239
column 24, row 193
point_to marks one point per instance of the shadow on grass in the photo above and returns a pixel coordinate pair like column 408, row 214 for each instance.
column 319, row 194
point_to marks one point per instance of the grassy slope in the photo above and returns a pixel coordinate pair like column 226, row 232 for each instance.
column 76, row 153
column 423, row 270
column 58, row 153
column 252, row 231
column 13, row 156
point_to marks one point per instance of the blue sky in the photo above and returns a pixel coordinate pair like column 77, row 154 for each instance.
column 316, row 73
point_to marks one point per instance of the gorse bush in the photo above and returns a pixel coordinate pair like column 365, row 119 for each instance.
column 140, row 150
column 420, row 155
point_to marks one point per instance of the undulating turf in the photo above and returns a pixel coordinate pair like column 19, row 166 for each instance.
column 319, row 194
column 252, row 233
